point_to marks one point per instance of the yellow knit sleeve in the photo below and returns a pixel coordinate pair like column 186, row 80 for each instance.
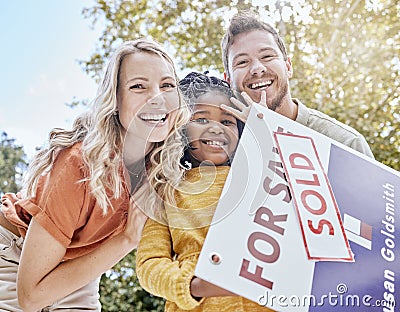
column 158, row 272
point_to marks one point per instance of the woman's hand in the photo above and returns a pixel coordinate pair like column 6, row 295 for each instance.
column 8, row 215
column 135, row 224
column 7, row 202
column 242, row 109
column 8, row 199
column 200, row 288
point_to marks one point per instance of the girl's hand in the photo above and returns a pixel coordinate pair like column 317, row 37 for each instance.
column 200, row 288
column 243, row 109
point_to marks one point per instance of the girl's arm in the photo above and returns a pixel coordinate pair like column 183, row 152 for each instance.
column 43, row 278
column 159, row 272
column 164, row 276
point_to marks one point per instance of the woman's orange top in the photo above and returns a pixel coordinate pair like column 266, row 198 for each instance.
column 64, row 207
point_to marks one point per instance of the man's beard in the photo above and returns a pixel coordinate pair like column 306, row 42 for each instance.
column 278, row 101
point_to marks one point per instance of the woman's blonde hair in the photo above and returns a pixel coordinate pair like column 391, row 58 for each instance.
column 102, row 135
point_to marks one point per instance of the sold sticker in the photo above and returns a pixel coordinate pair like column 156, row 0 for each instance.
column 318, row 214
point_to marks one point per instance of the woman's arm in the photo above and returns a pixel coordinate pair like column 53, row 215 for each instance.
column 43, row 278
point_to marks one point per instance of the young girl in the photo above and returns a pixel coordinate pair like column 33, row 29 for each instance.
column 165, row 265
column 77, row 217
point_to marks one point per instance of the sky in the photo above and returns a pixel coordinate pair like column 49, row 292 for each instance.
column 41, row 43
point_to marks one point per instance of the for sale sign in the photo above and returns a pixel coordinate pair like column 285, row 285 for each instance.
column 259, row 233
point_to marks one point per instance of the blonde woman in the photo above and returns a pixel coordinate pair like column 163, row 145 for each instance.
column 77, row 218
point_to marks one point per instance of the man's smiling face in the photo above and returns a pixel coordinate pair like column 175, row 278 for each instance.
column 256, row 64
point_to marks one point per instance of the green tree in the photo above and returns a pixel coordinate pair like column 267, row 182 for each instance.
column 12, row 164
column 191, row 30
column 120, row 290
column 346, row 63
column 345, row 55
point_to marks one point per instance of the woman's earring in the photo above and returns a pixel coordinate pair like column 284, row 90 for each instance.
column 115, row 113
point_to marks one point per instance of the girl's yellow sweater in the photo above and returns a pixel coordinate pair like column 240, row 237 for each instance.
column 167, row 253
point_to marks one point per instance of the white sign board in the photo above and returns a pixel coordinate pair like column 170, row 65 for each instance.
column 258, row 237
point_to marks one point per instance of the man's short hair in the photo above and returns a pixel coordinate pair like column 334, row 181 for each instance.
column 244, row 22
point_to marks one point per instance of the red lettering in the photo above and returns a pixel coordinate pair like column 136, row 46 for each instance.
column 295, row 156
column 267, row 219
column 277, row 167
column 318, row 211
column 255, row 277
column 309, row 182
column 321, row 224
column 268, row 258
column 277, row 189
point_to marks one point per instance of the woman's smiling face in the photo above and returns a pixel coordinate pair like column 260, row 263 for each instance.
column 212, row 133
column 147, row 96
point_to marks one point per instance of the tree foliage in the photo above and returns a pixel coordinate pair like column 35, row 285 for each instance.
column 347, row 65
column 345, row 53
column 120, row 290
column 190, row 29
column 345, row 56
column 12, row 164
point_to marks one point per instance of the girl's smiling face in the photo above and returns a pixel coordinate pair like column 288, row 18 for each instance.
column 212, row 133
